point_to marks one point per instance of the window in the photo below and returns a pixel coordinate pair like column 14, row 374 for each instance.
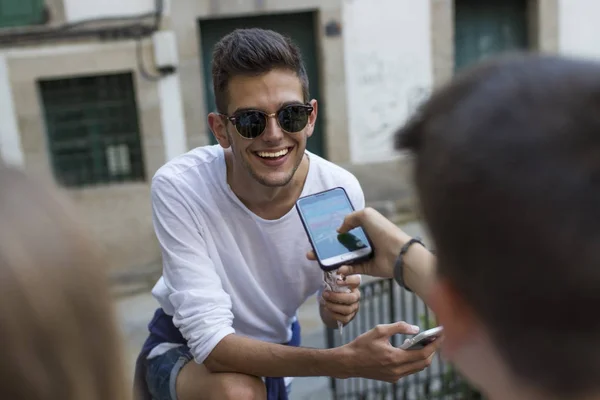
column 485, row 28
column 21, row 13
column 93, row 130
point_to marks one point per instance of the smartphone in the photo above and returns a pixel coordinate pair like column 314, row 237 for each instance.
column 423, row 339
column 322, row 214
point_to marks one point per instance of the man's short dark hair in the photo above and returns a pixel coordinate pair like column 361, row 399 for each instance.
column 508, row 174
column 253, row 52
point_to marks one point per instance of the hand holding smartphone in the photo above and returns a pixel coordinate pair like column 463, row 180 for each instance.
column 322, row 214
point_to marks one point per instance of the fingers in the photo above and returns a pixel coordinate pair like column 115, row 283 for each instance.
column 399, row 363
column 342, row 306
column 433, row 347
column 363, row 268
column 352, row 281
column 413, row 361
column 351, row 221
column 408, row 368
column 388, row 330
column 348, row 271
column 342, row 309
column 342, row 298
column 358, row 218
column 421, row 354
column 346, row 316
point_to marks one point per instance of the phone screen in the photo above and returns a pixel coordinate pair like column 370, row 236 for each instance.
column 322, row 214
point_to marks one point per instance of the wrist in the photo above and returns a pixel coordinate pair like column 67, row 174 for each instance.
column 419, row 269
column 400, row 264
column 343, row 362
column 397, row 242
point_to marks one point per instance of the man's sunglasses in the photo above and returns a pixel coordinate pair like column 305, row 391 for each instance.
column 250, row 124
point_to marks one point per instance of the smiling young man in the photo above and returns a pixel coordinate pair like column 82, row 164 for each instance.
column 234, row 271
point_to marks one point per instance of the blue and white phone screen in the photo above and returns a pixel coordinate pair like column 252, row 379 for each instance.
column 323, row 215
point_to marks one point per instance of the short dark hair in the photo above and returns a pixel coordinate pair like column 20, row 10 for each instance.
column 253, row 52
column 508, row 175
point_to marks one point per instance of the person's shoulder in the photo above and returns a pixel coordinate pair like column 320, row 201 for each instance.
column 333, row 174
column 328, row 175
column 195, row 166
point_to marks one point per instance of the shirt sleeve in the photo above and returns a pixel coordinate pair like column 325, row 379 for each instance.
column 202, row 309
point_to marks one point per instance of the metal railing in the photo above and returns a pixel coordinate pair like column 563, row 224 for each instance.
column 384, row 302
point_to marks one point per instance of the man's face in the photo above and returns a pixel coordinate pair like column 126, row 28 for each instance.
column 273, row 157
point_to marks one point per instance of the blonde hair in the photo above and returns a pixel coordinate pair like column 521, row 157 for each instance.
column 57, row 328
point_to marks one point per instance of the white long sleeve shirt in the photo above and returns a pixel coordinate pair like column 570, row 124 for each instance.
column 226, row 270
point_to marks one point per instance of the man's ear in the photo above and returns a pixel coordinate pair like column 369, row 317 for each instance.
column 312, row 120
column 454, row 314
column 218, row 126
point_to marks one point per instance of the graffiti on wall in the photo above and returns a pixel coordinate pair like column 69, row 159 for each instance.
column 388, row 71
column 388, row 94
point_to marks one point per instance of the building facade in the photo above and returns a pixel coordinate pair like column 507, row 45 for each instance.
column 96, row 96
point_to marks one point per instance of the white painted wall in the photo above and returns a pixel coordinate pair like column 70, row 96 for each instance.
column 11, row 151
column 388, row 71
column 171, row 100
column 78, row 10
column 579, row 28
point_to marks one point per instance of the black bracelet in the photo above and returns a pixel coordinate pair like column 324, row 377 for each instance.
column 399, row 266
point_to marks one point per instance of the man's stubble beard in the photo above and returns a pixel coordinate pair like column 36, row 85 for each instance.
column 256, row 176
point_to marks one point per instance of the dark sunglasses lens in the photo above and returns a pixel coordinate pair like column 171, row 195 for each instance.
column 293, row 119
column 250, row 124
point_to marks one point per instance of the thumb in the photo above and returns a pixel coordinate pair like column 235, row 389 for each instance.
column 347, row 270
column 351, row 221
column 389, row 330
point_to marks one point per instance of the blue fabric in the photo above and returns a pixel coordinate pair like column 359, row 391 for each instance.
column 276, row 389
column 162, row 330
column 162, row 372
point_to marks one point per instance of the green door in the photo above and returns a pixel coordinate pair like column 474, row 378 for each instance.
column 21, row 13
column 487, row 27
column 300, row 27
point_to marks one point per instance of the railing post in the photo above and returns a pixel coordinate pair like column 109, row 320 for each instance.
column 391, row 319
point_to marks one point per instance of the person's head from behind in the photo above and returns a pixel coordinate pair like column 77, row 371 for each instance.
column 508, row 175
column 257, row 73
column 59, row 339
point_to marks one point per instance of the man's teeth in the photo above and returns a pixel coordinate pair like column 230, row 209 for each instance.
column 267, row 154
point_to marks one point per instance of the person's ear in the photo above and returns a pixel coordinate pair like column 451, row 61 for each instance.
column 218, row 126
column 312, row 119
column 454, row 314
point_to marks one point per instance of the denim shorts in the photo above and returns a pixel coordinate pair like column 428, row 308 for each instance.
column 162, row 372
